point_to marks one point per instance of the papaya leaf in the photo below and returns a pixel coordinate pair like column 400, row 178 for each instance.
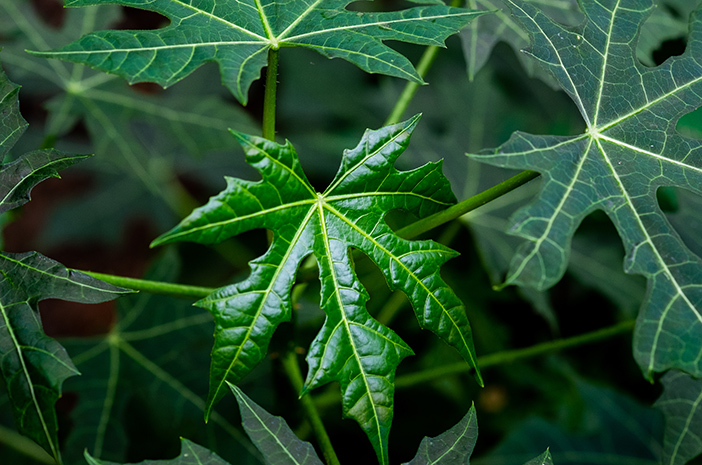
column 453, row 446
column 237, row 34
column 34, row 365
column 630, row 148
column 351, row 348
column 681, row 404
column 190, row 454
column 272, row 435
column 543, row 459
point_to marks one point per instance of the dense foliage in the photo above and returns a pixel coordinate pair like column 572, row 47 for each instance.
column 563, row 299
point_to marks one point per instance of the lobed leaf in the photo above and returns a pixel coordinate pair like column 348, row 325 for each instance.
column 34, row 365
column 351, row 348
column 237, row 34
column 629, row 150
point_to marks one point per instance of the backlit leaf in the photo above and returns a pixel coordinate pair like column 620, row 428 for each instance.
column 352, row 347
column 190, row 454
column 237, row 34
column 630, row 148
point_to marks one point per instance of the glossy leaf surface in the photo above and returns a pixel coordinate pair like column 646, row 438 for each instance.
column 630, row 148
column 272, row 435
column 352, row 347
column 237, row 34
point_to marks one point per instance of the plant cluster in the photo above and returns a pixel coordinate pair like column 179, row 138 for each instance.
column 603, row 167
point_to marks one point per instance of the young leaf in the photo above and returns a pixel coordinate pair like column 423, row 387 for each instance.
column 34, row 365
column 454, row 446
column 272, row 435
column 238, row 35
column 630, row 148
column 190, row 454
column 681, row 403
column 352, row 348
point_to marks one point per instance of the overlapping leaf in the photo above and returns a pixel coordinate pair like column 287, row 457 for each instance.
column 34, row 365
column 237, row 34
column 351, row 348
column 630, row 149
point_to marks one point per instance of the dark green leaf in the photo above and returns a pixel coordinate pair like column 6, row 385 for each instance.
column 352, row 348
column 238, row 34
column 543, row 459
column 190, row 454
column 629, row 149
column 34, row 365
column 681, row 404
column 272, row 435
column 452, row 447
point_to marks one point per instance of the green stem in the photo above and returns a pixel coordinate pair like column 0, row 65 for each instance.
column 509, row 356
column 292, row 369
column 25, row 446
column 460, row 209
column 153, row 287
column 411, row 87
column 270, row 95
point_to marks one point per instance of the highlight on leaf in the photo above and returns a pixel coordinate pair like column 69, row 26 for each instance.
column 352, row 347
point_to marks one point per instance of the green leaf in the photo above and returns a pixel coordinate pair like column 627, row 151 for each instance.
column 34, row 365
column 681, row 404
column 190, row 454
column 630, row 148
column 272, row 435
column 452, row 447
column 238, row 35
column 543, row 459
column 154, row 355
column 351, row 348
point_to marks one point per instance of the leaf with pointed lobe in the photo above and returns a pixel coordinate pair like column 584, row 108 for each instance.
column 681, row 404
column 238, row 34
column 630, row 149
column 352, row 347
column 453, row 446
column 190, row 454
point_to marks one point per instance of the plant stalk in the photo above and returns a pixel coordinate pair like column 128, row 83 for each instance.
column 411, row 87
column 509, row 356
column 270, row 95
column 153, row 287
column 292, row 369
column 460, row 209
column 25, row 446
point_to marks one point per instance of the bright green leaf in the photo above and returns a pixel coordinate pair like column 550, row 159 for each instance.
column 237, row 34
column 190, row 454
column 352, row 348
column 452, row 447
column 629, row 149
column 681, row 404
column 272, row 435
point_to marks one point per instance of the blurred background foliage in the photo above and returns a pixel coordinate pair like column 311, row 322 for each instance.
column 161, row 152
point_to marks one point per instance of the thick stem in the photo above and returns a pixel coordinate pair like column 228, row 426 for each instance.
column 270, row 95
column 509, row 356
column 460, row 209
column 292, row 370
